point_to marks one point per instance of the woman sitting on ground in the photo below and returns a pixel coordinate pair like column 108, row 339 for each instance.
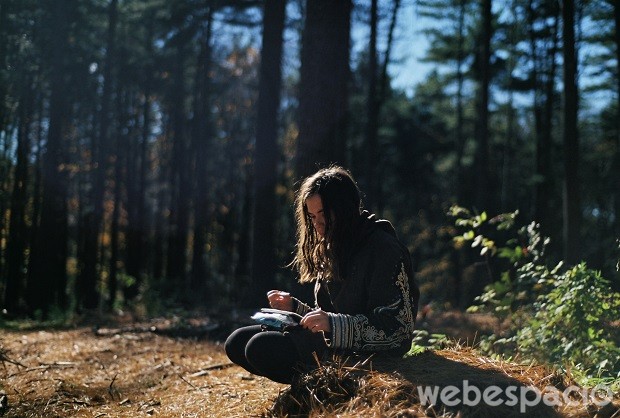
column 366, row 300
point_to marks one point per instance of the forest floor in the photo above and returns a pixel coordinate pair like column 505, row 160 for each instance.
column 177, row 368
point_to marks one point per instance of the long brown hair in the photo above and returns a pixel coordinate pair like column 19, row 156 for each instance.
column 342, row 204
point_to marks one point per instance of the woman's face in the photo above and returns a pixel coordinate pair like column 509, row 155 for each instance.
column 314, row 206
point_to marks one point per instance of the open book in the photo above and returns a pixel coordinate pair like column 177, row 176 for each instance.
column 276, row 318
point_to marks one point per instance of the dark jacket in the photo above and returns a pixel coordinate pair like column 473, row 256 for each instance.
column 374, row 306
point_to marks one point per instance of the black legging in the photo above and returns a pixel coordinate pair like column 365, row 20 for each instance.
column 273, row 354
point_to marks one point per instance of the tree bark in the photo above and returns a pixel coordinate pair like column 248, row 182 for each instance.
column 47, row 284
column 86, row 286
column 267, row 152
column 18, row 232
column 179, row 208
column 137, row 219
column 484, row 200
column 324, row 76
column 544, row 67
column 616, row 173
column 459, row 182
column 115, row 227
column 201, row 140
column 572, row 215
column 3, row 58
column 372, row 113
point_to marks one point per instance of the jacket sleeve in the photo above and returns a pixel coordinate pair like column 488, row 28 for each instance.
column 389, row 319
column 300, row 308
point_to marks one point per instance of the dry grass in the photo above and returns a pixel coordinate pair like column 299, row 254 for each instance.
column 149, row 370
column 389, row 388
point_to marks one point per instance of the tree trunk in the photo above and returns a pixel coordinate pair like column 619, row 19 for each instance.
column 267, row 153
column 616, row 173
column 483, row 172
column 160, row 220
column 372, row 114
column 179, row 210
column 119, row 181
column 244, row 267
column 36, row 188
column 3, row 58
column 388, row 54
column 381, row 97
column 572, row 215
column 17, row 239
column 47, row 284
column 324, row 76
column 201, row 140
column 546, row 160
column 86, row 286
column 4, row 121
column 137, row 219
column 459, row 182
column 543, row 73
column 115, row 228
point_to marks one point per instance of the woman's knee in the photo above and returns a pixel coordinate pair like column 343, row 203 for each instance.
column 236, row 342
column 273, row 355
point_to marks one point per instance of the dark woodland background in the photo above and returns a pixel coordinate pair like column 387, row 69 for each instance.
column 150, row 150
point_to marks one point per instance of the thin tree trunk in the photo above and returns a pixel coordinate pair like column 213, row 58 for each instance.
column 539, row 199
column 388, row 54
column 87, row 280
column 381, row 97
column 372, row 112
column 201, row 139
column 17, row 239
column 267, row 150
column 572, row 198
column 177, row 239
column 507, row 202
column 159, row 234
column 244, row 267
column 3, row 59
column 459, row 181
column 483, row 174
column 115, row 228
column 137, row 238
column 47, row 284
column 460, row 130
column 616, row 172
column 119, row 181
column 36, row 188
column 545, row 91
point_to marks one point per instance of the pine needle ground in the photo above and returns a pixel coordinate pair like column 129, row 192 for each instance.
column 141, row 370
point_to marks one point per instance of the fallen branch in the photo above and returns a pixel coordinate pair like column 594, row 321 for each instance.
column 206, row 370
column 46, row 366
column 186, row 381
column 4, row 358
column 59, row 364
column 175, row 331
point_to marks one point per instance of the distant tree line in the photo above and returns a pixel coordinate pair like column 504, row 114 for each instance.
column 149, row 150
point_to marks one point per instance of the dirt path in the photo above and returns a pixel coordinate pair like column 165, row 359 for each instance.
column 77, row 373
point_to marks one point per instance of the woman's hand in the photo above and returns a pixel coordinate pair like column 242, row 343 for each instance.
column 316, row 321
column 280, row 300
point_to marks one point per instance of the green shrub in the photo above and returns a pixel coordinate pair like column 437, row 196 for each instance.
column 571, row 324
column 553, row 316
